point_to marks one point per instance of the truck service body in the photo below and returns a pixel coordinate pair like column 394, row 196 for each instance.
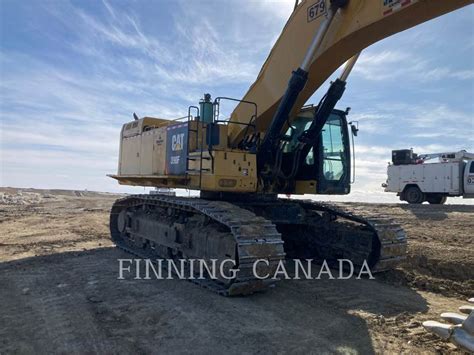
column 430, row 177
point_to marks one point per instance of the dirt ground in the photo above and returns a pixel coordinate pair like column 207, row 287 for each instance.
column 59, row 291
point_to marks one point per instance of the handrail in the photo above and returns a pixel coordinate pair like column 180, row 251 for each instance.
column 189, row 116
column 219, row 98
column 247, row 125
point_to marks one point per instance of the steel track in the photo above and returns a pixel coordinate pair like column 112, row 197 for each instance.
column 389, row 236
column 257, row 237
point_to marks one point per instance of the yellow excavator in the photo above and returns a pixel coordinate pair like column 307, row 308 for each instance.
column 271, row 144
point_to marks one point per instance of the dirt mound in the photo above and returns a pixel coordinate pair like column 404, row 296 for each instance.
column 20, row 198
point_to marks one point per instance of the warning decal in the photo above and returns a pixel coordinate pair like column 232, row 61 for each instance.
column 391, row 6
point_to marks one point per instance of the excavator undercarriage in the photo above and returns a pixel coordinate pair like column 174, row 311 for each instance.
column 168, row 227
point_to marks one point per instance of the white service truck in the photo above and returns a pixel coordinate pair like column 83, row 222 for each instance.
column 430, row 177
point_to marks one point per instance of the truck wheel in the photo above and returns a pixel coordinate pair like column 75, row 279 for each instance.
column 436, row 200
column 413, row 195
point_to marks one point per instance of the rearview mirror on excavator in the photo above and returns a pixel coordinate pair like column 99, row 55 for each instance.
column 354, row 128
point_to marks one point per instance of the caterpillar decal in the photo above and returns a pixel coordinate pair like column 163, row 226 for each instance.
column 176, row 149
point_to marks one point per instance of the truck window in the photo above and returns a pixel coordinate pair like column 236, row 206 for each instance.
column 471, row 169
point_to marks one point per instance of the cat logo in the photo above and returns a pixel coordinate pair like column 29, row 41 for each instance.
column 177, row 141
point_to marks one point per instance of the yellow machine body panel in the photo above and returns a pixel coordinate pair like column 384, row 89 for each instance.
column 138, row 142
column 144, row 158
column 305, row 187
column 234, row 171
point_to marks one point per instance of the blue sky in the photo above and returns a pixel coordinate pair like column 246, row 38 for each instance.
column 72, row 72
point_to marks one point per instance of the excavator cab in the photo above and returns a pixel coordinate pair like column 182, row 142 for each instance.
column 328, row 162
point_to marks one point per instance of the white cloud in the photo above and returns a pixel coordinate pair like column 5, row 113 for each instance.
column 397, row 64
column 280, row 8
column 404, row 122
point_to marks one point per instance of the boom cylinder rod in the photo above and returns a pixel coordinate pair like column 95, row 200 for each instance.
column 296, row 83
column 349, row 66
column 325, row 108
column 318, row 38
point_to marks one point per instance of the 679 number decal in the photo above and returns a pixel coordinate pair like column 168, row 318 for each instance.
column 316, row 10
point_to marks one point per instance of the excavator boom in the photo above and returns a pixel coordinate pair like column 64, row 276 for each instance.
column 355, row 27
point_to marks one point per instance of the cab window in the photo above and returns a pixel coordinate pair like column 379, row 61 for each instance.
column 331, row 159
column 333, row 149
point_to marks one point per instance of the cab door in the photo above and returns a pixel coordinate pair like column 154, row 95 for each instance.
column 326, row 169
column 469, row 178
column 334, row 158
